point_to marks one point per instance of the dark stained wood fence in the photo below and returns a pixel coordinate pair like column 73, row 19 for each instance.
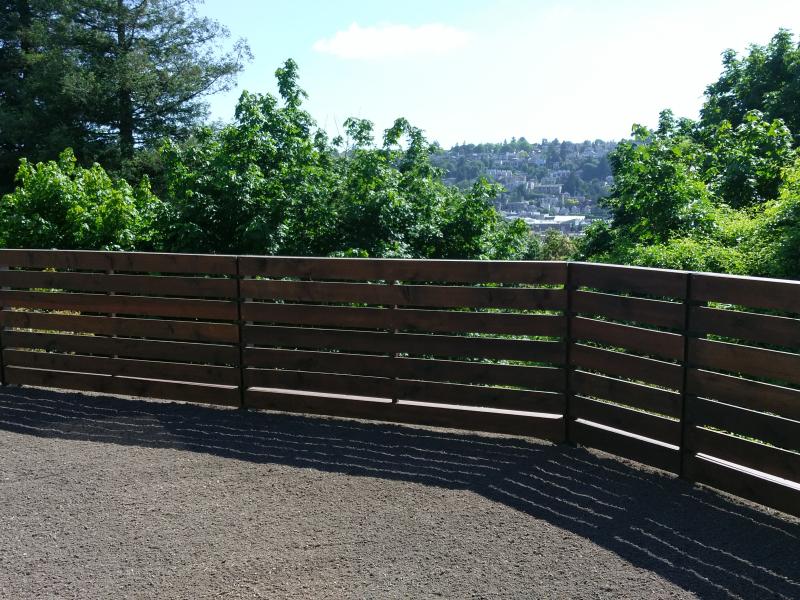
column 462, row 344
column 743, row 402
column 627, row 351
column 693, row 373
column 157, row 325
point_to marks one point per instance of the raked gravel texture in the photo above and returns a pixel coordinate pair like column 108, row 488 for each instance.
column 121, row 498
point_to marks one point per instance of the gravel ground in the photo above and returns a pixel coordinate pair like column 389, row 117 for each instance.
column 121, row 498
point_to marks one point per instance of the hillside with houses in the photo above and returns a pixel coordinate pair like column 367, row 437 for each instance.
column 551, row 184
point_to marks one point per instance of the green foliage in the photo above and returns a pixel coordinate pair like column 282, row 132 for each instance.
column 272, row 183
column 62, row 205
column 104, row 77
column 557, row 246
column 720, row 194
column 766, row 79
column 657, row 192
column 269, row 183
column 39, row 116
column 774, row 240
column 745, row 163
column 260, row 185
column 762, row 240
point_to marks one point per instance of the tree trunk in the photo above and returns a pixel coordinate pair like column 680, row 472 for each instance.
column 125, row 123
column 25, row 20
column 124, row 93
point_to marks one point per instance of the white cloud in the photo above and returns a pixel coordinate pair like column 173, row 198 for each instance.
column 392, row 41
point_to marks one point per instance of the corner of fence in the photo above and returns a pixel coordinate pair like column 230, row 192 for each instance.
column 569, row 288
column 688, row 304
column 2, row 329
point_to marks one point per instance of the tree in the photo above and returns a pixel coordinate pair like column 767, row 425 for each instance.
column 745, row 163
column 272, row 183
column 106, row 76
column 773, row 240
column 703, row 196
column 556, row 245
column 149, row 63
column 766, row 79
column 59, row 204
column 657, row 191
column 262, row 184
column 39, row 116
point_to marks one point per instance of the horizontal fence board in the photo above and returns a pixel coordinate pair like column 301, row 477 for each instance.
column 489, row 348
column 479, row 322
column 619, row 364
column 758, row 362
column 128, row 327
column 455, row 418
column 766, row 329
column 419, row 391
column 753, row 292
column 638, row 339
column 642, row 280
column 761, row 426
column 658, row 313
column 543, row 427
column 406, row 295
column 152, row 262
column 356, row 385
column 471, row 395
column 768, row 459
column 744, row 392
column 538, row 378
column 125, row 347
column 381, row 342
column 618, row 417
column 124, row 305
column 202, row 287
column 626, row 392
column 746, row 485
column 318, row 315
column 643, row 451
column 461, row 271
column 121, row 366
column 320, row 362
column 438, row 321
column 106, row 384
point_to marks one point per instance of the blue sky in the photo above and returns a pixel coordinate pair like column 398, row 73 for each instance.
column 473, row 71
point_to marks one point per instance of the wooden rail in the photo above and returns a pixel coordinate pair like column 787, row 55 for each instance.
column 693, row 373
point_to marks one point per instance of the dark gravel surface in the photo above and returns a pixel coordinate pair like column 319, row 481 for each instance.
column 119, row 498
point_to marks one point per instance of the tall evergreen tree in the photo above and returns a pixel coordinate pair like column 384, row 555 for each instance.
column 38, row 115
column 105, row 76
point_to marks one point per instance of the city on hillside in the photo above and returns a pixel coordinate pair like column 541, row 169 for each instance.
column 550, row 185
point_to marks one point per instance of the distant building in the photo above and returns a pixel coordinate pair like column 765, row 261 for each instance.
column 565, row 224
column 548, row 189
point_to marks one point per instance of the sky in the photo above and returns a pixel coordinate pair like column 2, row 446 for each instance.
column 469, row 71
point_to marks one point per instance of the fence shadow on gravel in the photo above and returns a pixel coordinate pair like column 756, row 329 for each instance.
column 698, row 539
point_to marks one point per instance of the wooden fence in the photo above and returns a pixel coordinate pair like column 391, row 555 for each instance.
column 693, row 373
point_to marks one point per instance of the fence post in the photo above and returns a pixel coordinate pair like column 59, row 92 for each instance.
column 110, row 273
column 688, row 303
column 2, row 329
column 395, row 355
column 240, row 327
column 568, row 354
